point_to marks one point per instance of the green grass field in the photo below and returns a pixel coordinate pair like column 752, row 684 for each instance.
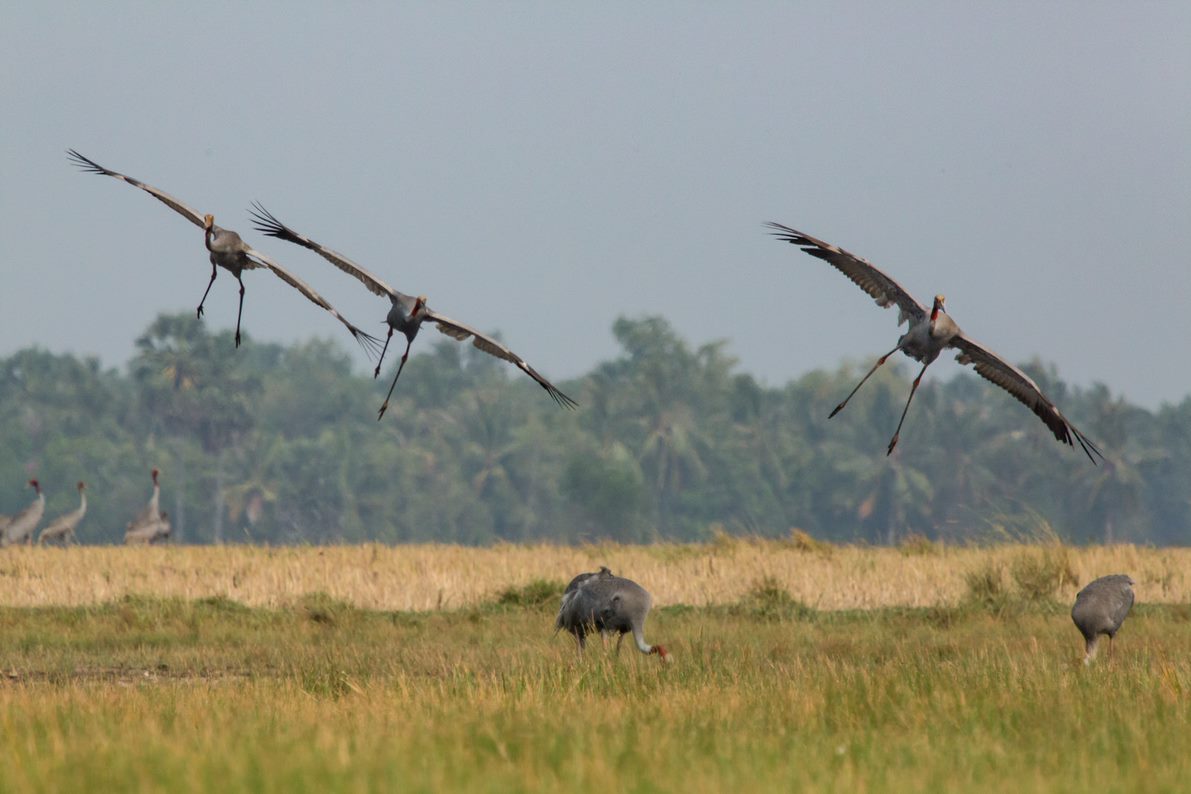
column 149, row 694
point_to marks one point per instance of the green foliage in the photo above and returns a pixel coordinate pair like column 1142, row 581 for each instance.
column 281, row 444
column 537, row 593
column 768, row 600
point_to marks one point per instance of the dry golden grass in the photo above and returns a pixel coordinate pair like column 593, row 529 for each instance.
column 428, row 577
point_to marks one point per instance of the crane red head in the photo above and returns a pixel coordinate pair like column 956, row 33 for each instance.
column 419, row 304
column 36, row 485
column 938, row 307
column 208, row 222
column 155, row 476
column 81, row 485
column 662, row 653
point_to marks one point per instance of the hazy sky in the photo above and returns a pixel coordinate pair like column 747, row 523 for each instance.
column 540, row 168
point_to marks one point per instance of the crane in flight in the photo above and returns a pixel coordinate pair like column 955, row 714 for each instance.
column 931, row 332
column 229, row 251
column 406, row 313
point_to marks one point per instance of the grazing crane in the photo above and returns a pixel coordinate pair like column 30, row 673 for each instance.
column 407, row 313
column 149, row 532
column 605, row 603
column 1101, row 608
column 62, row 528
column 928, row 334
column 229, row 251
column 20, row 527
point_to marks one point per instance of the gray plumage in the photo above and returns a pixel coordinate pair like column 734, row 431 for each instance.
column 406, row 313
column 150, row 524
column 603, row 571
column 603, row 602
column 930, row 332
column 1101, row 608
column 228, row 250
column 19, row 528
column 62, row 528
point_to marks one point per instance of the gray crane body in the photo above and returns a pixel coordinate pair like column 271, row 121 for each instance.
column 925, row 340
column 62, row 528
column 20, row 527
column 1101, row 608
column 603, row 602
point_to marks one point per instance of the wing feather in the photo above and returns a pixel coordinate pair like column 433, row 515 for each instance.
column 996, row 370
column 370, row 343
column 879, row 286
column 459, row 331
column 266, row 223
column 177, row 206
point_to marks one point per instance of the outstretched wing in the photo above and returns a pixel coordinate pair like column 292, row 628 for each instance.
column 995, row 369
column 880, row 287
column 267, row 224
column 370, row 343
column 461, row 332
column 177, row 206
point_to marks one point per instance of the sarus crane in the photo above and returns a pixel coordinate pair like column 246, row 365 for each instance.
column 63, row 527
column 928, row 334
column 229, row 251
column 406, row 313
column 1101, row 608
column 601, row 602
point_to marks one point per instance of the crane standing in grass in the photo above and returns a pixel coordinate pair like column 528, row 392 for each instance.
column 1101, row 608
column 228, row 251
column 62, row 528
column 406, row 313
column 606, row 603
column 150, row 524
column 931, row 332
column 20, row 527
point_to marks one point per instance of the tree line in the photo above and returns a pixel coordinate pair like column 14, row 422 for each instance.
column 280, row 444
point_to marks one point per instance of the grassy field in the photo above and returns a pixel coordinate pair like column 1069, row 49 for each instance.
column 174, row 677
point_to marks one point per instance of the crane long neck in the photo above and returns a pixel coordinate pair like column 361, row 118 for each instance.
column 639, row 638
column 1090, row 654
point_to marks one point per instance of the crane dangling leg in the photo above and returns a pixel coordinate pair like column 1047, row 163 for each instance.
column 214, row 272
column 880, row 361
column 376, row 372
column 400, row 367
column 914, row 388
column 240, row 310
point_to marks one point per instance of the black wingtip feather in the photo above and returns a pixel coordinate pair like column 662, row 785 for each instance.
column 85, row 163
column 265, row 223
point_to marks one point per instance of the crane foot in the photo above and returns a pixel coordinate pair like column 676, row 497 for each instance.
column 892, row 444
column 838, row 408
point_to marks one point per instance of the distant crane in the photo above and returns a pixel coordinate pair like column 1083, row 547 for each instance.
column 1101, row 608
column 150, row 524
column 229, row 251
column 62, row 528
column 20, row 527
column 151, row 511
column 928, row 334
column 407, row 313
column 606, row 603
